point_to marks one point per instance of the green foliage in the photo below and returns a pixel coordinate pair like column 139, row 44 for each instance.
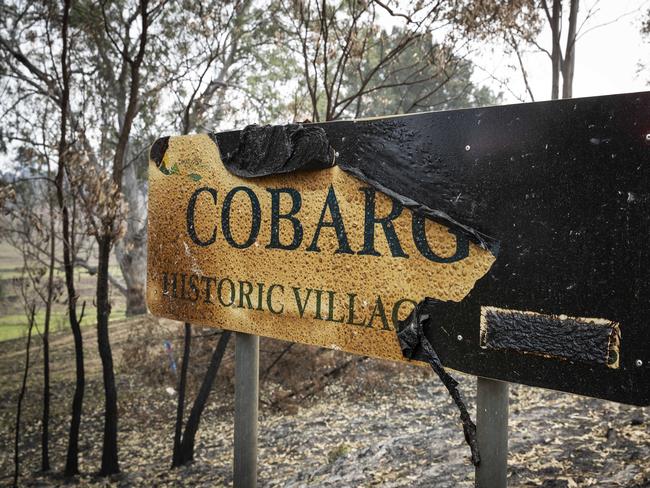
column 425, row 76
column 486, row 19
column 338, row 60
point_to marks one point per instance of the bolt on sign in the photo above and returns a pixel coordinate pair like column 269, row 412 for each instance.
column 516, row 237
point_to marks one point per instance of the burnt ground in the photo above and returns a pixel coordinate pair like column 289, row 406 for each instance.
column 327, row 419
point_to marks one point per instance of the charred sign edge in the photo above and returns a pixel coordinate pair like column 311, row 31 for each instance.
column 483, row 240
column 415, row 346
column 277, row 149
column 157, row 153
column 230, row 145
column 496, row 317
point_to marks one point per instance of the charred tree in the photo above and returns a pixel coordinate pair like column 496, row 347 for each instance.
column 21, row 397
column 72, row 456
column 45, row 423
column 189, row 435
column 109, row 228
column 110, row 464
column 176, row 457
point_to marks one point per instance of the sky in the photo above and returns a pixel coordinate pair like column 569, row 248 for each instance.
column 607, row 56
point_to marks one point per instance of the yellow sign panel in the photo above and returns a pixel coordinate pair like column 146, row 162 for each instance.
column 315, row 257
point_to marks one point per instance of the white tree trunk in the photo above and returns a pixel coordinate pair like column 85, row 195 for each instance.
column 131, row 250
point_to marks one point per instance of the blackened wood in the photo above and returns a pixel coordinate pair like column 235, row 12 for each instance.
column 67, row 230
column 110, row 464
column 548, row 335
column 415, row 345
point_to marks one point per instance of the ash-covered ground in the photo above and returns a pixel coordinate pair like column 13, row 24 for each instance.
column 326, row 419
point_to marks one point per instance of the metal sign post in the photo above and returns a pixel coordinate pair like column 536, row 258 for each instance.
column 247, row 355
column 492, row 433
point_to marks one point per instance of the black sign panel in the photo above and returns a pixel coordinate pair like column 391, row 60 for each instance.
column 559, row 192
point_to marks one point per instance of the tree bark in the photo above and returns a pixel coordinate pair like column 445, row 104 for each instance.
column 131, row 250
column 45, row 424
column 568, row 66
column 192, row 426
column 110, row 463
column 72, row 456
column 556, row 51
column 21, row 397
column 176, row 457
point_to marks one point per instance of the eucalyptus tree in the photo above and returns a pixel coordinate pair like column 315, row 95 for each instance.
column 354, row 58
column 34, row 49
column 550, row 27
column 122, row 34
column 426, row 76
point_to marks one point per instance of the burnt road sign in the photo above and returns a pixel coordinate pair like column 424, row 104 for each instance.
column 522, row 231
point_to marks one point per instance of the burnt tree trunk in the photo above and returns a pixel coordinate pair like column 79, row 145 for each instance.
column 105, row 241
column 21, row 397
column 192, row 426
column 110, row 463
column 72, row 456
column 45, row 424
column 176, row 457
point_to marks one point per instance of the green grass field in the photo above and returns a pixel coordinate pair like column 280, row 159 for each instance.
column 13, row 320
column 15, row 326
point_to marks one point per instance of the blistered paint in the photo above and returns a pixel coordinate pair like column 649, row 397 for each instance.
column 587, row 340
